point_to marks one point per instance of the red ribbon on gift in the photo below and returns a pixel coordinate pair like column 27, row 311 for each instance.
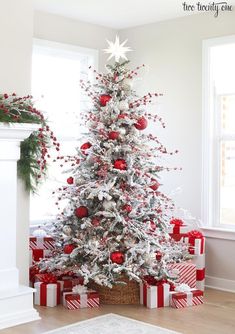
column 178, row 223
column 43, row 293
column 38, row 254
column 200, row 274
column 47, row 278
column 192, row 236
column 160, row 292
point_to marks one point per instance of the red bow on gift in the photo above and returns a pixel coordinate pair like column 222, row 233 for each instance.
column 195, row 234
column 47, row 278
column 150, row 280
column 177, row 222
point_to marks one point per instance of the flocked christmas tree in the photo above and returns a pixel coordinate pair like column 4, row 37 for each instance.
column 116, row 219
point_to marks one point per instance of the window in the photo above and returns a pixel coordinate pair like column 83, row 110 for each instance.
column 56, row 72
column 219, row 133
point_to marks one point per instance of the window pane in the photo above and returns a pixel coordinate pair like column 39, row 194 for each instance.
column 227, row 183
column 228, row 114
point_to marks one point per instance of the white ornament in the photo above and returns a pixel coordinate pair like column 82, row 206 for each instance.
column 127, row 84
column 67, row 230
column 79, row 289
column 123, row 105
column 117, row 50
column 39, row 233
column 122, row 131
column 183, row 288
column 108, row 205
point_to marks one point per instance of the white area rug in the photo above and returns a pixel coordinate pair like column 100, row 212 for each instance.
column 111, row 323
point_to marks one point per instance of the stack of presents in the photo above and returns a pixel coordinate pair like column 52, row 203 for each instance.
column 69, row 290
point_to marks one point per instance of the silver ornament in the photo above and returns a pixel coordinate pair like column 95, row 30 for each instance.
column 123, row 105
column 127, row 84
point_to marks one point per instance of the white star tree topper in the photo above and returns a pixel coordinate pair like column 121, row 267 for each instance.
column 117, row 50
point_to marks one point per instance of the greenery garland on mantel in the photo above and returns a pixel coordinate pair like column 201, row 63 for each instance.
column 33, row 163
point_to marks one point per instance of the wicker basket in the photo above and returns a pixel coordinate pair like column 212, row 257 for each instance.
column 119, row 293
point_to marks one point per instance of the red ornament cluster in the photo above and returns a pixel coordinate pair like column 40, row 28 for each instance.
column 81, row 212
column 85, row 147
column 67, row 249
column 117, row 257
column 70, row 180
column 127, row 208
column 104, row 99
column 113, row 135
column 141, row 123
column 120, row 164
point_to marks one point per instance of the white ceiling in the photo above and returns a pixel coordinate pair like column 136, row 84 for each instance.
column 117, row 14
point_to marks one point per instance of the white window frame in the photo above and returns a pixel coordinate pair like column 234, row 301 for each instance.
column 67, row 48
column 210, row 152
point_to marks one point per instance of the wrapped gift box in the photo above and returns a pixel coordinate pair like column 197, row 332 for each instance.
column 47, row 294
column 74, row 301
column 178, row 229
column 67, row 282
column 199, row 261
column 185, row 299
column 36, row 255
column 196, row 242
column 41, row 243
column 154, row 296
column 186, row 273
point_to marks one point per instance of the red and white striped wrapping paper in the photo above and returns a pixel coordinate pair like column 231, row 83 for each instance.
column 41, row 243
column 36, row 254
column 199, row 261
column 154, row 296
column 47, row 294
column 187, row 273
column 74, row 301
column 185, row 299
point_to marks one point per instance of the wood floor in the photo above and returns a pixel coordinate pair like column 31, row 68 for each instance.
column 216, row 316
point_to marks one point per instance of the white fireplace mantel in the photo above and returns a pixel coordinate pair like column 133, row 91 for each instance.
column 16, row 301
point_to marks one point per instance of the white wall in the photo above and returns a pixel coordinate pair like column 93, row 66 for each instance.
column 64, row 30
column 16, row 26
column 173, row 51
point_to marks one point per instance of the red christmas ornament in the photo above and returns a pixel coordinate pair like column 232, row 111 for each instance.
column 127, row 208
column 85, row 147
column 95, row 221
column 122, row 116
column 81, row 212
column 68, row 248
column 113, row 135
column 117, row 257
column 141, row 123
column 120, row 164
column 154, row 185
column 104, row 99
column 70, row 180
column 158, row 256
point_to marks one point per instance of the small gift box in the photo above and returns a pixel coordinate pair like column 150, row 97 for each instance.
column 80, row 297
column 199, row 261
column 178, row 229
column 185, row 273
column 154, row 296
column 68, row 282
column 47, row 291
column 41, row 243
column 36, row 255
column 196, row 242
column 183, row 296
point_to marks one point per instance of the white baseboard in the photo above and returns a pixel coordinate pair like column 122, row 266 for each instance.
column 220, row 284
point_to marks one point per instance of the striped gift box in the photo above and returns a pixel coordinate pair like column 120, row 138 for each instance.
column 186, row 273
column 154, row 296
column 41, row 243
column 185, row 299
column 74, row 301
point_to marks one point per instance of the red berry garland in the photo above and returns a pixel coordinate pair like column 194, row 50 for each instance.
column 120, row 164
column 141, row 123
column 68, row 248
column 117, row 257
column 81, row 212
column 104, row 99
